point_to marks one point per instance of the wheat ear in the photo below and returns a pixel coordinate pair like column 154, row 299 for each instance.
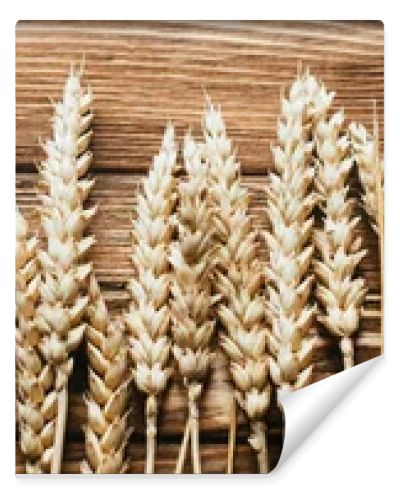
column 192, row 258
column 63, row 220
column 36, row 398
column 239, row 281
column 148, row 319
column 107, row 431
column 339, row 250
column 365, row 148
column 290, row 201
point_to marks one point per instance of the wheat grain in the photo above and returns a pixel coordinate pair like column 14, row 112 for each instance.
column 63, row 220
column 107, row 430
column 149, row 317
column 291, row 199
column 339, row 249
column 36, row 398
column 193, row 258
column 239, row 281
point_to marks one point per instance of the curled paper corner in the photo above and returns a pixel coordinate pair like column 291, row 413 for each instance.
column 305, row 409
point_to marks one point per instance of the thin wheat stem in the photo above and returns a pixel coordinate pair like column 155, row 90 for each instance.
column 347, row 348
column 183, row 447
column 232, row 437
column 151, row 433
column 61, row 422
column 194, row 433
column 259, row 443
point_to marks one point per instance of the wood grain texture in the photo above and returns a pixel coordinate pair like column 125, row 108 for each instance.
column 143, row 74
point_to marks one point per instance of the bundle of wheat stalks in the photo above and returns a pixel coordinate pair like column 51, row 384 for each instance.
column 197, row 271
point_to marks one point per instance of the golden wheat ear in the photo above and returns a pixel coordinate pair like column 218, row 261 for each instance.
column 36, row 397
column 65, row 270
column 365, row 148
column 239, row 281
column 148, row 319
column 370, row 171
column 291, row 198
column 193, row 258
column 340, row 293
column 107, row 431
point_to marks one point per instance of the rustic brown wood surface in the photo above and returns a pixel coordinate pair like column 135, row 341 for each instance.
column 143, row 74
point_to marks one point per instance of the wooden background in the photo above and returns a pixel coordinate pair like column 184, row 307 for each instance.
column 143, row 74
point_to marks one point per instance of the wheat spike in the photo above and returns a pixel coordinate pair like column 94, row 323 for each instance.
column 291, row 199
column 192, row 258
column 365, row 148
column 339, row 249
column 370, row 170
column 36, row 398
column 148, row 319
column 107, row 430
column 63, row 220
column 239, row 281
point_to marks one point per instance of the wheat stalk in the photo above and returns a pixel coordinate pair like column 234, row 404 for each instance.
column 239, row 281
column 36, row 398
column 149, row 317
column 291, row 199
column 365, row 148
column 340, row 250
column 63, row 220
column 107, row 430
column 193, row 258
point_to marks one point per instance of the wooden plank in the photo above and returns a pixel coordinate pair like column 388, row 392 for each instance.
column 143, row 74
